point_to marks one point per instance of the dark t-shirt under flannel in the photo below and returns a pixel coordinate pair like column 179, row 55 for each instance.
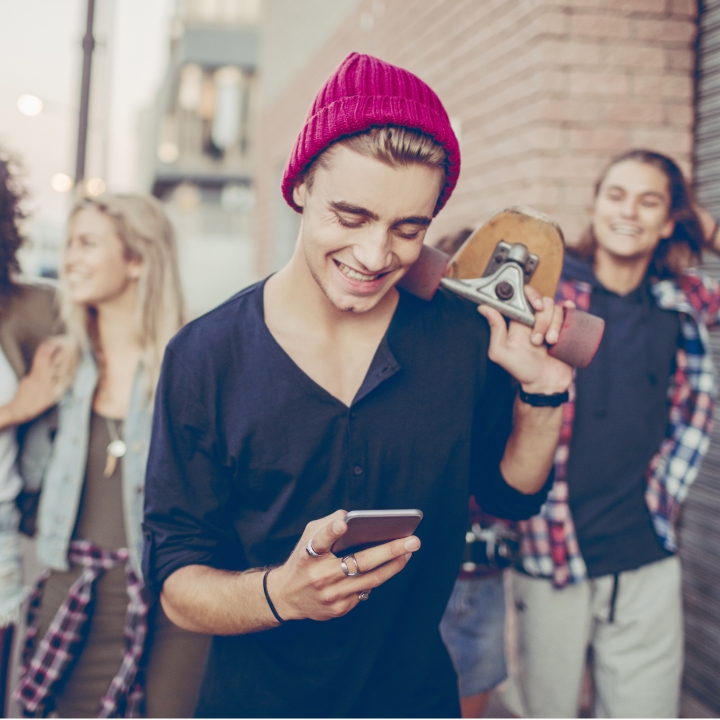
column 247, row 449
column 621, row 416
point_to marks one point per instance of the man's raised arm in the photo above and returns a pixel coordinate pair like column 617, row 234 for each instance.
column 530, row 450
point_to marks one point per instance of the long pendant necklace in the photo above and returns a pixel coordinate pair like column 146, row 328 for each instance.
column 115, row 449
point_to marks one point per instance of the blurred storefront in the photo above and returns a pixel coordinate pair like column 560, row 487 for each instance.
column 541, row 95
column 197, row 152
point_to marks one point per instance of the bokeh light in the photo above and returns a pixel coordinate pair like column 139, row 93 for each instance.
column 61, row 182
column 30, row 105
column 95, row 186
column 168, row 152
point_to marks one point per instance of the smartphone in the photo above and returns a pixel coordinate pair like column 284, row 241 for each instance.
column 375, row 527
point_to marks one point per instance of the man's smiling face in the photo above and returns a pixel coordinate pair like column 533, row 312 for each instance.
column 631, row 213
column 363, row 224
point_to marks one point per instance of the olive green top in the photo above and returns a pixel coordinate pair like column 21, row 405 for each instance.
column 101, row 517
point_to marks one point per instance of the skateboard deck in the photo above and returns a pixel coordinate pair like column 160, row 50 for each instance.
column 519, row 246
column 539, row 233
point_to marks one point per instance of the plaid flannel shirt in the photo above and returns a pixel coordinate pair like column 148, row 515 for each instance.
column 549, row 545
column 46, row 663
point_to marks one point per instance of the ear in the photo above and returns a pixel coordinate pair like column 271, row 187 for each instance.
column 667, row 229
column 135, row 270
column 300, row 194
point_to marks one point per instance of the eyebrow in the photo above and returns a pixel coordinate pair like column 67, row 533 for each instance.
column 344, row 207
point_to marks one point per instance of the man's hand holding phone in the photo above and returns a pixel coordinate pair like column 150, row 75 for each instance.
column 317, row 588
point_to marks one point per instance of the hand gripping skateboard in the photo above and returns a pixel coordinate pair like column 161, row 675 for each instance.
column 518, row 246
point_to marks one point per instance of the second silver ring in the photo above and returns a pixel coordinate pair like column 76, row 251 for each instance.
column 344, row 567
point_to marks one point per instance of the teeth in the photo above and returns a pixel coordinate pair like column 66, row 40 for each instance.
column 354, row 274
column 625, row 230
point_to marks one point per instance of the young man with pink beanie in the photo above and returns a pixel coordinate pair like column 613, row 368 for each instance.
column 325, row 389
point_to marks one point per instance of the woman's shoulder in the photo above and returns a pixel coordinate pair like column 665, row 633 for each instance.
column 28, row 315
column 31, row 304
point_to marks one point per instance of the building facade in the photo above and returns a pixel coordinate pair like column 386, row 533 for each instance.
column 541, row 92
column 197, row 149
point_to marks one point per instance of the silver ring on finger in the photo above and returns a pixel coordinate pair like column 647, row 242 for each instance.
column 364, row 595
column 346, row 569
column 311, row 550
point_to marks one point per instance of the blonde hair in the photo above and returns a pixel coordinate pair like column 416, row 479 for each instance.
column 147, row 235
column 393, row 145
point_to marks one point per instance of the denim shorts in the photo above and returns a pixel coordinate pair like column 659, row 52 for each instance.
column 473, row 630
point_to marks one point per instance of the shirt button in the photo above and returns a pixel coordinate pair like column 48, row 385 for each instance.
column 137, row 447
column 139, row 490
column 358, row 470
column 353, row 415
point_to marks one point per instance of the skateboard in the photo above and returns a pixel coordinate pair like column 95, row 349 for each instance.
column 517, row 247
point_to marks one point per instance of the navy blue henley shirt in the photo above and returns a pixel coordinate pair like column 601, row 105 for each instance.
column 247, row 449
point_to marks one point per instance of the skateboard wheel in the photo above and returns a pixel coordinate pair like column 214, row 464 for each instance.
column 424, row 276
column 579, row 338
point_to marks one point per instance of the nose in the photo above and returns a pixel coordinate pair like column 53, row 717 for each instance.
column 70, row 254
column 374, row 250
column 629, row 207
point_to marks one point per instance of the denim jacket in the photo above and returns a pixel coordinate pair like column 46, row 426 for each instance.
column 65, row 474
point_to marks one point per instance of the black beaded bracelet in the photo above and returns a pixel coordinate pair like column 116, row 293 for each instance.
column 269, row 601
column 537, row 400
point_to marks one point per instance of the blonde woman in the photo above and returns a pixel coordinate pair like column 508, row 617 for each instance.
column 93, row 632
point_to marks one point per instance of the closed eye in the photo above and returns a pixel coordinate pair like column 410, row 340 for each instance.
column 408, row 235
column 409, row 231
column 651, row 201
column 353, row 222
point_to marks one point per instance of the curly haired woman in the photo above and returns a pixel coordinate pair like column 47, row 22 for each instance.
column 29, row 385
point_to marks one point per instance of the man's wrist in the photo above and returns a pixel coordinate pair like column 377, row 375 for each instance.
column 270, row 603
column 544, row 400
column 275, row 586
column 542, row 388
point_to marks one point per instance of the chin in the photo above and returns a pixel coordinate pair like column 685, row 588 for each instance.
column 630, row 254
column 78, row 298
column 350, row 302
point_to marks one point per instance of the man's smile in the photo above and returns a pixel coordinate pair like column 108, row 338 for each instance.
column 626, row 229
column 356, row 275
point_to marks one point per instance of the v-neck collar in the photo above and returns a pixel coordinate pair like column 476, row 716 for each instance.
column 382, row 367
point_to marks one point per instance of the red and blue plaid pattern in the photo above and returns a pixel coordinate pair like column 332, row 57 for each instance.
column 45, row 665
column 549, row 543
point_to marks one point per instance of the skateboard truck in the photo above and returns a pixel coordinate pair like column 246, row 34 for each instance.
column 502, row 286
column 489, row 270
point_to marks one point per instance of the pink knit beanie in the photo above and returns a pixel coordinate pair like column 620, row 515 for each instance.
column 365, row 92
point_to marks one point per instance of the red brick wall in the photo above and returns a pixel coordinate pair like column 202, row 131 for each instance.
column 545, row 91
